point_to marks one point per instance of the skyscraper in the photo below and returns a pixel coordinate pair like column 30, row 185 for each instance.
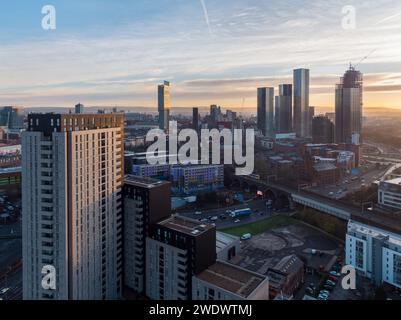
column 195, row 119
column 12, row 117
column 322, row 130
column 266, row 111
column 146, row 202
column 349, row 105
column 79, row 108
column 301, row 103
column 72, row 175
column 283, row 109
column 164, row 105
column 215, row 113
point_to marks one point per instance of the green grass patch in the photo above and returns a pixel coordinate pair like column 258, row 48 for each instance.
column 261, row 226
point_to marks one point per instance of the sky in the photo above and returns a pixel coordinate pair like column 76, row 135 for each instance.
column 115, row 52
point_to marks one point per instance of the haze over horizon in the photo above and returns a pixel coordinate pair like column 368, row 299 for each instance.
column 115, row 53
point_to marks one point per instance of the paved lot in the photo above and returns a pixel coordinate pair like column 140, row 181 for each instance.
column 267, row 249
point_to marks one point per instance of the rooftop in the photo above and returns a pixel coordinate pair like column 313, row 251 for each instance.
column 396, row 181
column 187, row 226
column 324, row 166
column 276, row 278
column 289, row 265
column 382, row 221
column 144, row 182
column 232, row 278
column 223, row 240
column 375, row 232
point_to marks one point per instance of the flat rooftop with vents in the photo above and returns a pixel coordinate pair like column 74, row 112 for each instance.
column 186, row 226
column 233, row 279
column 144, row 182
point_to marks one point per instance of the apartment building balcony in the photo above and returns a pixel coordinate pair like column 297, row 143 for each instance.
column 46, row 228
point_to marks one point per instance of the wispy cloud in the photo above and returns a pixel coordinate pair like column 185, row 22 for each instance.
column 254, row 43
column 388, row 18
column 206, row 14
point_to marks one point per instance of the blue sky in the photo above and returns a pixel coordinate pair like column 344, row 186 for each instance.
column 116, row 52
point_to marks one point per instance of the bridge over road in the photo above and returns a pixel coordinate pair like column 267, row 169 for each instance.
column 276, row 191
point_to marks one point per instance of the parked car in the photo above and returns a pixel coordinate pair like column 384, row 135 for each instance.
column 328, row 288
column 214, row 218
column 334, row 279
column 237, row 221
column 323, row 296
column 198, row 213
column 330, row 283
column 4, row 290
column 335, row 274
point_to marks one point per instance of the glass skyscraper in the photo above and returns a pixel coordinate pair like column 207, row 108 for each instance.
column 266, row 111
column 349, row 104
column 164, row 105
column 302, row 125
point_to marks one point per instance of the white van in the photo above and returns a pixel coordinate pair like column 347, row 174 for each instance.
column 246, row 236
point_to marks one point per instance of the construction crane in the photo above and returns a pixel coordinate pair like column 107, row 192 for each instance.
column 365, row 58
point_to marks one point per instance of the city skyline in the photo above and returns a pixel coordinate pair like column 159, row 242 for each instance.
column 116, row 53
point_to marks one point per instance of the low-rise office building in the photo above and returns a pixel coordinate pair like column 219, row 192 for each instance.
column 389, row 194
column 188, row 179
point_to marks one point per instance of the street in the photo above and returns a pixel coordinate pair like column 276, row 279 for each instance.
column 258, row 207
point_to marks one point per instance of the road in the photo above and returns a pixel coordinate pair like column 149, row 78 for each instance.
column 347, row 185
column 258, row 207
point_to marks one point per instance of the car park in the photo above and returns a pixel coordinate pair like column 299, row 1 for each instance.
column 310, row 291
column 328, row 288
column 4, row 290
